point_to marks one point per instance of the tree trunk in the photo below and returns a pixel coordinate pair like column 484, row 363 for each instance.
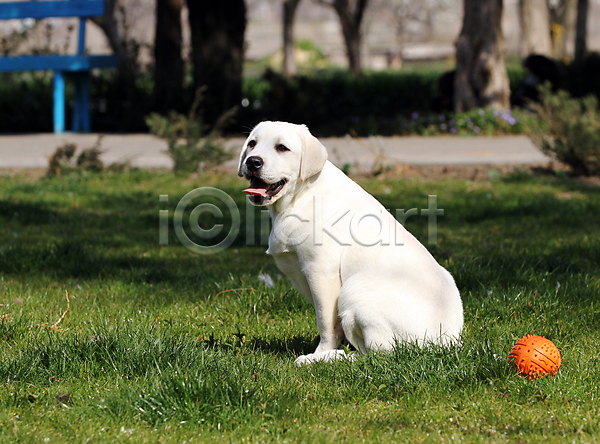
column 535, row 28
column 581, row 30
column 481, row 78
column 351, row 23
column 217, row 30
column 289, row 59
column 563, row 16
column 352, row 38
column 168, row 69
column 117, row 39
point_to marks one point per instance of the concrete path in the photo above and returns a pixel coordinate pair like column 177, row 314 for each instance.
column 146, row 151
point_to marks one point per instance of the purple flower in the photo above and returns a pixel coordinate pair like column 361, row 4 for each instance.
column 415, row 115
column 442, row 118
column 481, row 112
column 508, row 118
column 476, row 129
column 443, row 127
column 453, row 130
column 496, row 113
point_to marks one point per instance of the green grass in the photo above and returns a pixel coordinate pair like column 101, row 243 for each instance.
column 161, row 345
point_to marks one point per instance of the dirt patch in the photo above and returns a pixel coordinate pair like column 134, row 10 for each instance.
column 29, row 174
column 462, row 172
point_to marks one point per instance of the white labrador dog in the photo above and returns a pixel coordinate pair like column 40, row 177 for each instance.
column 369, row 280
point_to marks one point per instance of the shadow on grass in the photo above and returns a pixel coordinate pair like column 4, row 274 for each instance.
column 296, row 345
column 74, row 260
column 27, row 213
column 115, row 234
column 79, row 260
column 62, row 260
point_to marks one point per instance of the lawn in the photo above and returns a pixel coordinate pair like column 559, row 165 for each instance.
column 163, row 345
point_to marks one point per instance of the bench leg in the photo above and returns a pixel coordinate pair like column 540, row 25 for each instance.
column 81, row 111
column 59, row 102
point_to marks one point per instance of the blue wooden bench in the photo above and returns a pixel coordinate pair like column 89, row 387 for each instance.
column 76, row 66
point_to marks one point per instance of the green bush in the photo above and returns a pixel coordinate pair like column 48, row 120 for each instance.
column 26, row 102
column 334, row 102
column 569, row 129
column 116, row 104
column 581, row 77
column 331, row 102
column 191, row 144
column 121, row 104
column 471, row 123
column 64, row 161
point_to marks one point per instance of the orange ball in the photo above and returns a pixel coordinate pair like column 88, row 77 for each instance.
column 535, row 357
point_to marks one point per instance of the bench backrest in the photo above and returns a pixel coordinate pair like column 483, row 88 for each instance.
column 57, row 8
column 61, row 8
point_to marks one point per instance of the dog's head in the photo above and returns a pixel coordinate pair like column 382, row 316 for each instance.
column 275, row 157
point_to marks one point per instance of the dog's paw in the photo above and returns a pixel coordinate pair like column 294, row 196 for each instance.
column 305, row 359
column 326, row 356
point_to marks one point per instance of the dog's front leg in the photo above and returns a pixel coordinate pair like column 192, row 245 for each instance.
column 325, row 294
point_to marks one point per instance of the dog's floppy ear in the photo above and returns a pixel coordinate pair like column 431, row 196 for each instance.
column 242, row 157
column 314, row 155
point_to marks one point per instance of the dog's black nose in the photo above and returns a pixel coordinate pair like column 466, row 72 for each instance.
column 254, row 163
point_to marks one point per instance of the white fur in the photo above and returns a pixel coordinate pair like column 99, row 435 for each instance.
column 324, row 238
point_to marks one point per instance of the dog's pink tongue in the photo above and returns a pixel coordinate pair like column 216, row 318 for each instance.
column 257, row 188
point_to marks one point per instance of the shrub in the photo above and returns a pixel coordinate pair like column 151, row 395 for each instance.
column 63, row 161
column 26, row 102
column 332, row 102
column 60, row 161
column 471, row 123
column 569, row 129
column 335, row 102
column 119, row 103
column 190, row 145
column 581, row 77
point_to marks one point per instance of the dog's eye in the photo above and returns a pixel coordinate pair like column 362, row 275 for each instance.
column 282, row 148
column 252, row 144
